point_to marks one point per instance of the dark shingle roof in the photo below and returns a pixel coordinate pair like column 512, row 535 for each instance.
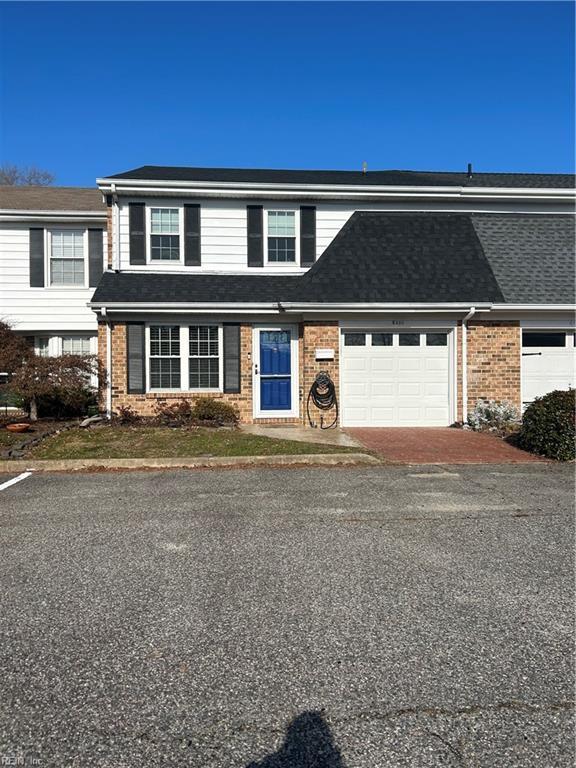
column 407, row 257
column 532, row 255
column 198, row 288
column 391, row 178
column 15, row 198
column 397, row 258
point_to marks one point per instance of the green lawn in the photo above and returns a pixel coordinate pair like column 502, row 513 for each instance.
column 163, row 442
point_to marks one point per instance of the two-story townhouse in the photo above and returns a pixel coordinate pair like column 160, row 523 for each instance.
column 52, row 255
column 418, row 293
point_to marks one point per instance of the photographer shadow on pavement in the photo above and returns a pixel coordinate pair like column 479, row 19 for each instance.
column 308, row 744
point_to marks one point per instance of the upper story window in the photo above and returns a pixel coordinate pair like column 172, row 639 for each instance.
column 282, row 236
column 67, row 257
column 164, row 234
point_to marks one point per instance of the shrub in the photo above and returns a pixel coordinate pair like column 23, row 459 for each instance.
column 501, row 418
column 208, row 409
column 126, row 416
column 175, row 414
column 548, row 426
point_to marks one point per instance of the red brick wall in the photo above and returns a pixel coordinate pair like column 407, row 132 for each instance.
column 311, row 336
column 494, row 361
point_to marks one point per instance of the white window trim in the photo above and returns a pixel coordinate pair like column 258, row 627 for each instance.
column 149, row 233
column 185, row 359
column 48, row 256
column 290, row 209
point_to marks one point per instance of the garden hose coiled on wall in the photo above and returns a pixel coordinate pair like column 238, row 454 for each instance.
column 323, row 395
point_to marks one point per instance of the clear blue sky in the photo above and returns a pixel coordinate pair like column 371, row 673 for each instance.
column 90, row 89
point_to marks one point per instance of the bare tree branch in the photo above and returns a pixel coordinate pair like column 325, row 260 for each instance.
column 13, row 176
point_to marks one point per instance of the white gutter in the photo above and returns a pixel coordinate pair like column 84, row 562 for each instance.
column 116, row 245
column 290, row 306
column 465, row 319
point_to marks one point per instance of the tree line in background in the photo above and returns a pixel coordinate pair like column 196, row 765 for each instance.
column 13, row 176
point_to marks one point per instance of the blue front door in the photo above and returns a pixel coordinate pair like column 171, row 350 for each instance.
column 275, row 371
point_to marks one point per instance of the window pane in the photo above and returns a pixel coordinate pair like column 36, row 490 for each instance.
column 165, row 373
column 204, row 373
column 409, row 339
column 282, row 249
column 165, row 340
column 203, row 341
column 165, row 247
column 42, row 343
column 354, row 339
column 67, row 271
column 281, row 224
column 436, row 339
column 76, row 345
column 381, row 339
column 539, row 339
column 164, row 220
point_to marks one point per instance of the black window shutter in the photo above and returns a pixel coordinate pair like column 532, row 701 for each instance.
column 136, row 358
column 192, row 255
column 231, row 357
column 36, row 258
column 95, row 256
column 307, row 235
column 137, row 233
column 255, row 215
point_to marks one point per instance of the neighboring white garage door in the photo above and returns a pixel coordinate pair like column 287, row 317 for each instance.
column 391, row 379
column 548, row 363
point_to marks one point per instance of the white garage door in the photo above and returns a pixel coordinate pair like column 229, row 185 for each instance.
column 395, row 379
column 548, row 363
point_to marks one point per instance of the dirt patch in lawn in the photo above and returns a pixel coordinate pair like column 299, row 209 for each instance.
column 108, row 442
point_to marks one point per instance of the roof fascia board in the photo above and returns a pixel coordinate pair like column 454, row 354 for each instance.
column 226, row 189
column 7, row 214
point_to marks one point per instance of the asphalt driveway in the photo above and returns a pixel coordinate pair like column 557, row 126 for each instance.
column 326, row 618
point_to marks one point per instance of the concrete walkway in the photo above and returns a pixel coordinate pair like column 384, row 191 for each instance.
column 428, row 445
column 302, row 434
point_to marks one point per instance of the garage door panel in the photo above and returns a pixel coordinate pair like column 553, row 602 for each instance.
column 409, row 364
column 409, row 388
column 395, row 386
column 381, row 389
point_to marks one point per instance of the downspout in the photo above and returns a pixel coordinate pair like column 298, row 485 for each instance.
column 108, row 365
column 465, row 319
column 116, row 259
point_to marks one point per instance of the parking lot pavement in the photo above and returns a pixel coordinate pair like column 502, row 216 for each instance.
column 335, row 618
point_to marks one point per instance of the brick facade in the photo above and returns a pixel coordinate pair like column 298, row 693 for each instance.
column 494, row 364
column 494, row 361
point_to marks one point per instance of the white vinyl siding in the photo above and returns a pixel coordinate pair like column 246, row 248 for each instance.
column 45, row 309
